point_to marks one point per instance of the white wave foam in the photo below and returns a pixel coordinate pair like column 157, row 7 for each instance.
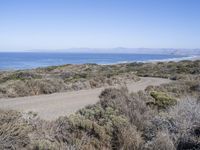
column 176, row 59
column 173, row 59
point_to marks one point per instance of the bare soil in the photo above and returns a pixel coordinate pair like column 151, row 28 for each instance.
column 50, row 107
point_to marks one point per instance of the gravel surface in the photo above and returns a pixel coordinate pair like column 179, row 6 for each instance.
column 50, row 107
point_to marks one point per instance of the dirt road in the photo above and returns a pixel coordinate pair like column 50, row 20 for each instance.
column 52, row 106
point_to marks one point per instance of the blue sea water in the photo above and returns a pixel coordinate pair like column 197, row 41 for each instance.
column 28, row 60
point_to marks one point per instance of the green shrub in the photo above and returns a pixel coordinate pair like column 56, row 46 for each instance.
column 162, row 100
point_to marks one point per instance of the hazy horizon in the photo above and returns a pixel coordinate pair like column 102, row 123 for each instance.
column 113, row 50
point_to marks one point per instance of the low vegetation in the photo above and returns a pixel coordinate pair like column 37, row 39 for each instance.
column 162, row 100
column 165, row 117
column 76, row 77
column 120, row 120
column 61, row 78
column 173, row 70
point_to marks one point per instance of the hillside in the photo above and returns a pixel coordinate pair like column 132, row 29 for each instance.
column 165, row 116
column 89, row 76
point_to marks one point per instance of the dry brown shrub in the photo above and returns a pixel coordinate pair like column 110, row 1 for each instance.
column 162, row 142
column 13, row 131
column 132, row 107
column 131, row 139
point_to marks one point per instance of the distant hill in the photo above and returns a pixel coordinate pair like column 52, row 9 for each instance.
column 156, row 51
column 127, row 50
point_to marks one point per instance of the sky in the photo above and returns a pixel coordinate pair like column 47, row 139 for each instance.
column 62, row 24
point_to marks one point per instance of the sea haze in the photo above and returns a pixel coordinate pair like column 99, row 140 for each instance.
column 29, row 60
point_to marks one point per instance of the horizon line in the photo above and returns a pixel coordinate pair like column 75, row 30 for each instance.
column 89, row 48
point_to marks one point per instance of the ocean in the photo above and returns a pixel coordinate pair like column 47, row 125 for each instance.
column 29, row 60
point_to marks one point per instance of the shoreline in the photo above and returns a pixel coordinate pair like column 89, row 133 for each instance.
column 191, row 58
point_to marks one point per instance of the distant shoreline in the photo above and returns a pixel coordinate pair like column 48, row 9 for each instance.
column 192, row 58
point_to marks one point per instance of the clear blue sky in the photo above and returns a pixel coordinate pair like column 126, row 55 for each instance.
column 60, row 24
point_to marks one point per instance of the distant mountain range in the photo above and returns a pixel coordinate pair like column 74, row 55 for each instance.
column 127, row 50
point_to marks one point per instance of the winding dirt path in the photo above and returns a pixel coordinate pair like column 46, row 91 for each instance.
column 52, row 106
